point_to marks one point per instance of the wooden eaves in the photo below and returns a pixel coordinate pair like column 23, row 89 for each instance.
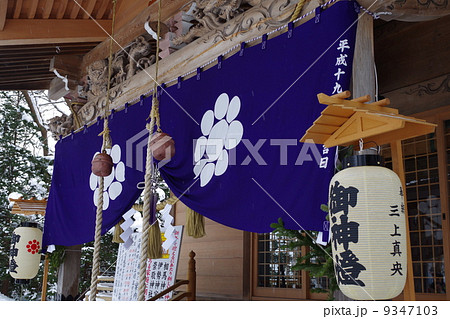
column 28, row 206
column 343, row 122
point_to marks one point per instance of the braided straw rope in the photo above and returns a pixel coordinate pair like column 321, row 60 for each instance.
column 98, row 234
column 107, row 144
column 297, row 10
column 146, row 216
column 148, row 196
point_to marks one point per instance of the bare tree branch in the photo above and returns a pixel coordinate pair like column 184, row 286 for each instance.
column 35, row 117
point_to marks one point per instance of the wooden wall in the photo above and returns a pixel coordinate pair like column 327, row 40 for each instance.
column 222, row 260
column 413, row 65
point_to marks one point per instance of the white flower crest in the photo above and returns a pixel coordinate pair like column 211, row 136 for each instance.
column 113, row 182
column 221, row 133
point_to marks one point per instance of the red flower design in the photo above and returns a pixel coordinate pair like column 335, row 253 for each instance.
column 33, row 246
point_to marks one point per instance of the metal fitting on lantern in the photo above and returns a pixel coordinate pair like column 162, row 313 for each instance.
column 366, row 157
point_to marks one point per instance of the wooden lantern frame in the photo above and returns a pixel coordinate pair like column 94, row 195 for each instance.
column 344, row 122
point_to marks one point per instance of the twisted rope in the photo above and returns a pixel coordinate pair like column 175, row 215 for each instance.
column 146, row 215
column 148, row 195
column 98, row 234
column 107, row 144
column 297, row 10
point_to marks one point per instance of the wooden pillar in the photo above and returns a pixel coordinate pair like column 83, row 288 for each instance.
column 409, row 293
column 69, row 274
column 192, row 277
column 363, row 83
column 444, row 189
column 45, row 279
column 363, row 74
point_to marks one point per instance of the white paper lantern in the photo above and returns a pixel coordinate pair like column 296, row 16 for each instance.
column 368, row 232
column 24, row 255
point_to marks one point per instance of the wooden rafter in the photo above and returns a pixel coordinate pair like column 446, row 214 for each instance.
column 17, row 9
column 47, row 9
column 39, row 31
column 75, row 9
column 29, row 206
column 102, row 9
column 3, row 11
column 344, row 122
column 88, row 9
column 61, row 9
column 33, row 9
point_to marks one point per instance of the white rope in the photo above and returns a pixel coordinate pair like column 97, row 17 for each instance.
column 146, row 215
column 98, row 233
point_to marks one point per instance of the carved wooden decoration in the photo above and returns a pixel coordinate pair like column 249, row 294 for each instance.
column 245, row 23
column 135, row 57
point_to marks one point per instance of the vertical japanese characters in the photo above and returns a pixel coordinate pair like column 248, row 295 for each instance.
column 13, row 253
column 347, row 267
column 341, row 65
column 397, row 237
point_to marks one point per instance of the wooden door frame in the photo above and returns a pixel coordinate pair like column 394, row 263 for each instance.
column 439, row 116
column 267, row 293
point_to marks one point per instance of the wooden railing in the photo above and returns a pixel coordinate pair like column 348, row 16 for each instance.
column 191, row 284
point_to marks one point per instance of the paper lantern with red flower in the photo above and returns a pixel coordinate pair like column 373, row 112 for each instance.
column 24, row 255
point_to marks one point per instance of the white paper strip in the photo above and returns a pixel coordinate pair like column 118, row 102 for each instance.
column 126, row 234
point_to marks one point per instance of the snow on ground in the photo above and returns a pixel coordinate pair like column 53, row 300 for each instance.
column 4, row 298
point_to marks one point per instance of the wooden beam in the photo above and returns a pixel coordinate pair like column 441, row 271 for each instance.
column 30, row 76
column 125, row 13
column 25, row 31
column 132, row 29
column 47, row 9
column 88, row 10
column 375, row 107
column 33, row 9
column 3, row 11
column 17, row 9
column 6, row 71
column 61, row 9
column 66, row 65
column 57, row 89
column 28, row 85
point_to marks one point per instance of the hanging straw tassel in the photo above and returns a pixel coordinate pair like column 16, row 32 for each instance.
column 154, row 241
column 117, row 232
column 195, row 224
column 154, row 250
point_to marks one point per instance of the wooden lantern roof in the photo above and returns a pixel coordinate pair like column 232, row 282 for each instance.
column 344, row 122
column 29, row 206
